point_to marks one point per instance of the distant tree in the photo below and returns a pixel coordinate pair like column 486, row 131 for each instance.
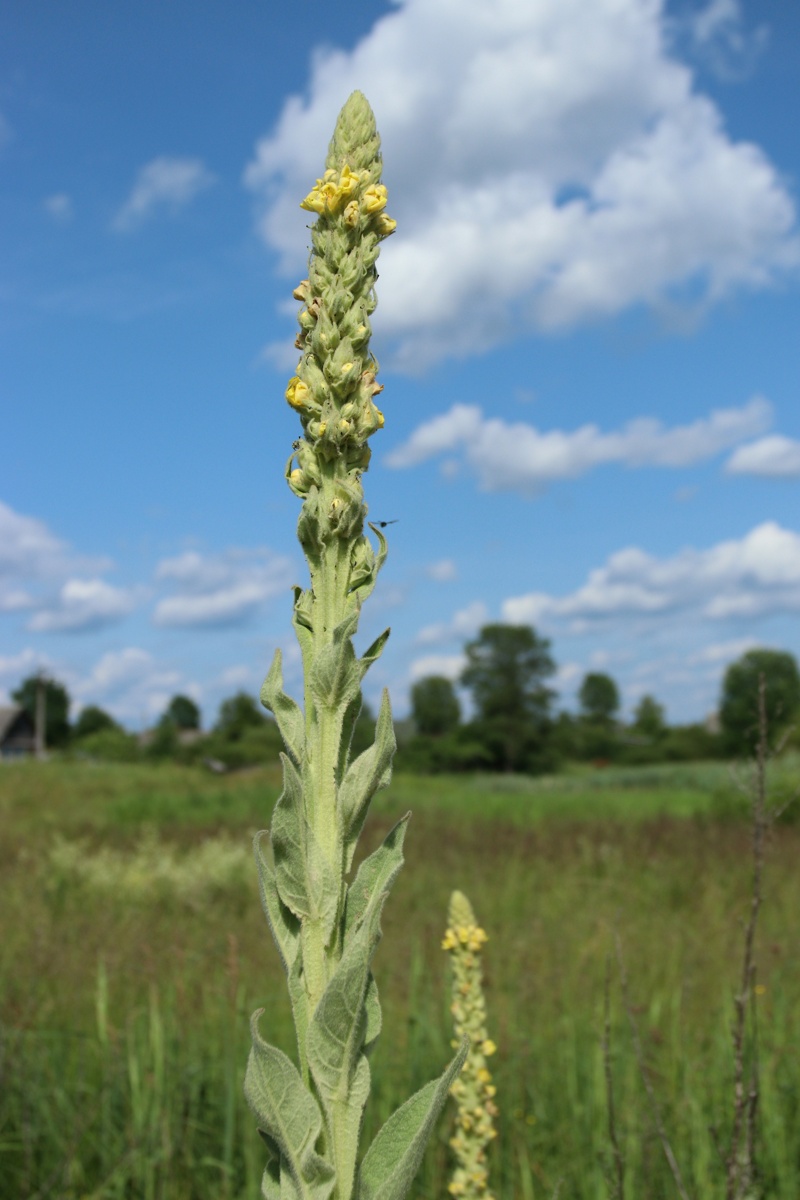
column 648, row 718
column 599, row 698
column 435, row 709
column 237, row 714
column 183, row 712
column 507, row 666
column 93, row 720
column 738, row 710
column 56, row 720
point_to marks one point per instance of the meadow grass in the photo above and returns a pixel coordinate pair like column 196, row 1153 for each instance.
column 124, row 1005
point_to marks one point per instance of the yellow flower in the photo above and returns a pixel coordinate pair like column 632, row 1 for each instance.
column 374, row 198
column 297, row 393
column 314, row 201
column 449, row 942
column 760, row 989
column 351, row 214
column 386, row 225
column 488, row 1047
column 381, row 420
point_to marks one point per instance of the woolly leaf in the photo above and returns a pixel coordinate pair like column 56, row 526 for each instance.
column 288, row 1113
column 375, row 877
column 286, row 712
column 393, row 1159
column 336, row 675
column 306, row 881
column 369, row 772
column 284, row 926
column 374, row 652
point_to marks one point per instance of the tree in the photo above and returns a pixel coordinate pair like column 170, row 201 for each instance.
column 506, row 669
column 183, row 712
column 238, row 713
column 93, row 720
column 648, row 718
column 738, row 710
column 434, row 706
column 599, row 698
column 56, row 707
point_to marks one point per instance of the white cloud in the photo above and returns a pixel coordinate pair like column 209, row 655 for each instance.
column 84, row 605
column 444, row 571
column 549, row 164
column 722, row 652
column 756, row 575
column 464, row 624
column 775, row 457
column 131, row 683
column 448, row 665
column 32, row 558
column 220, row 589
column 165, row 182
column 59, row 207
column 519, row 457
column 720, row 39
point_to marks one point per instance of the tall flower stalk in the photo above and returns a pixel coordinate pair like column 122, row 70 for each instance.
column 474, row 1091
column 326, row 927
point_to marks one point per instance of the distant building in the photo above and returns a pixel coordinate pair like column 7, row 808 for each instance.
column 17, row 732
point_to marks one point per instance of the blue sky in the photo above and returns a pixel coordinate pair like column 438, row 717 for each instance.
column 587, row 328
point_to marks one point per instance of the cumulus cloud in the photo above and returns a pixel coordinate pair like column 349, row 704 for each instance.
column 448, row 665
column 753, row 576
column 549, row 164
column 84, row 605
column 33, row 560
column 518, row 457
column 464, row 624
column 164, row 183
column 130, row 683
column 719, row 37
column 220, row 589
column 775, row 457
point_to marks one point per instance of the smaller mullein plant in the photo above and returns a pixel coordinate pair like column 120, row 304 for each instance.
column 473, row 1091
column 326, row 926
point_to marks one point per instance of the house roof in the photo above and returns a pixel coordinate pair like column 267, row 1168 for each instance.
column 8, row 715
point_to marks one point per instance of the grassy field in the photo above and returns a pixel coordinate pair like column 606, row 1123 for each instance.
column 132, row 950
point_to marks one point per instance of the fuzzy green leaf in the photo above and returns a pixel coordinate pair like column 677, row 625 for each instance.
column 371, row 771
column 306, row 881
column 288, row 1113
column 393, row 1159
column 286, row 712
column 374, row 1022
column 375, row 877
column 336, row 675
column 337, row 1028
column 284, row 926
column 374, row 652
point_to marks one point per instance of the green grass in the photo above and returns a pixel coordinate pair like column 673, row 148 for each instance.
column 132, row 950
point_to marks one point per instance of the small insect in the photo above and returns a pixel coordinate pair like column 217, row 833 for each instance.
column 296, row 444
column 383, row 524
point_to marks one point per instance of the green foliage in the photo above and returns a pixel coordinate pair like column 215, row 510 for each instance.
column 237, row 714
column 738, row 711
column 135, row 1088
column 599, row 698
column 110, row 744
column 183, row 712
column 506, row 669
column 93, row 720
column 648, row 718
column 435, row 710
column 57, row 729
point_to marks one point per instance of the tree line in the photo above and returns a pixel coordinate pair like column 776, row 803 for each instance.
column 513, row 723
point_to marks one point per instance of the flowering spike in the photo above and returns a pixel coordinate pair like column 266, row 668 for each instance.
column 473, row 1091
column 326, row 928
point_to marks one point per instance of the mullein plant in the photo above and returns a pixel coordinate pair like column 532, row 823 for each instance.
column 473, row 1091
column 326, row 926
